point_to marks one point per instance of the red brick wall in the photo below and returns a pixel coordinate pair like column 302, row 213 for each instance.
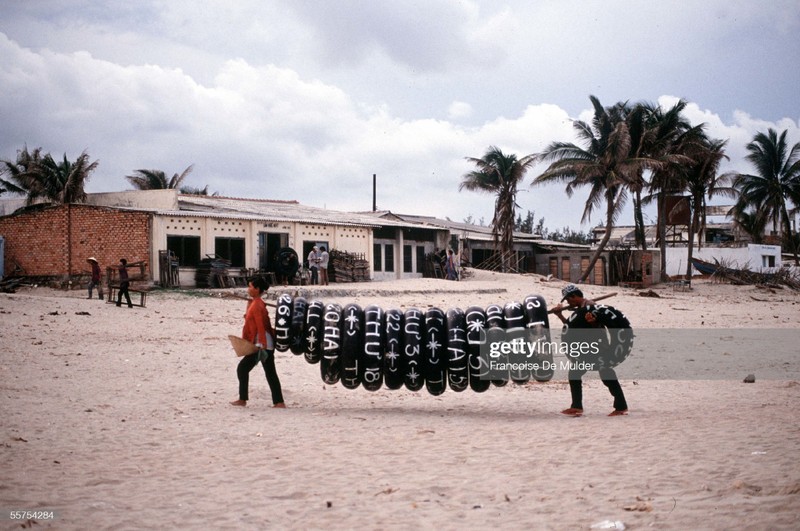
column 56, row 241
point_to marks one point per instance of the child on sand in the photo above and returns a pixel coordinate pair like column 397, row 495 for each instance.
column 258, row 330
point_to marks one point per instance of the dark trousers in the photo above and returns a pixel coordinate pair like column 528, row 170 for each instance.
column 243, row 372
column 123, row 290
column 314, row 276
column 92, row 285
column 609, row 378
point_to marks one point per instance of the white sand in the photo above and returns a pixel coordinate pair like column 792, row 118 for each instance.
column 120, row 420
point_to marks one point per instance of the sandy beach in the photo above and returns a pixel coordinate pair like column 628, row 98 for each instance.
column 118, row 418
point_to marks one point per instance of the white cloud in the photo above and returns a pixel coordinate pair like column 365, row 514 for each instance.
column 459, row 109
column 307, row 100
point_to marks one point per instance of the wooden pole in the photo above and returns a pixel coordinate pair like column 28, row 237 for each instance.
column 600, row 298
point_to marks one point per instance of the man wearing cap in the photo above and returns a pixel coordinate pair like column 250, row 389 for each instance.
column 574, row 297
column 584, row 318
column 95, row 281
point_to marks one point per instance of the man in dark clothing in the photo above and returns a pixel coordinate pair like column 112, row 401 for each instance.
column 95, row 281
column 124, row 284
column 585, row 318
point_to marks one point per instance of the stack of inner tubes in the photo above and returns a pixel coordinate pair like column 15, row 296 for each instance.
column 433, row 349
column 609, row 329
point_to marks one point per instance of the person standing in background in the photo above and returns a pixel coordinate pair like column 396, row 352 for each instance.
column 95, row 281
column 313, row 264
column 450, row 266
column 324, row 258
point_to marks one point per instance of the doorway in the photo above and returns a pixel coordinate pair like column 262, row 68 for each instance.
column 269, row 243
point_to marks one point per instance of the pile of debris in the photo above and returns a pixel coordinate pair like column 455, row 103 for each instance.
column 212, row 272
column 783, row 277
column 347, row 267
column 10, row 284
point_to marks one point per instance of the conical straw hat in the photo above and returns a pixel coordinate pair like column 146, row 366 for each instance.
column 242, row 346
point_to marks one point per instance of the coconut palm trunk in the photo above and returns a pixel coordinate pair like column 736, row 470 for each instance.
column 611, row 209
column 787, row 227
column 693, row 229
column 499, row 173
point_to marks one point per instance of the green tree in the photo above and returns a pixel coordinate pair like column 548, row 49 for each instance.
column 526, row 225
column 604, row 165
column 775, row 186
column 157, row 179
column 499, row 174
column 567, row 235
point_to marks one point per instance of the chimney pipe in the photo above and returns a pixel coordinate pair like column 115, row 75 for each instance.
column 374, row 186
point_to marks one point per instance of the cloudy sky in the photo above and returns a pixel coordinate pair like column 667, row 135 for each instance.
column 306, row 99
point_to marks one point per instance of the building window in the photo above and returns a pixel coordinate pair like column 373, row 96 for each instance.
column 231, row 249
column 388, row 263
column 767, row 261
column 186, row 248
column 408, row 263
column 376, row 257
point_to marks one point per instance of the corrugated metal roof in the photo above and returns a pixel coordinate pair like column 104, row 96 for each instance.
column 267, row 210
column 562, row 245
column 475, row 232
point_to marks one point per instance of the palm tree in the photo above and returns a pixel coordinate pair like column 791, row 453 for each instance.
column 157, row 179
column 604, row 165
column 750, row 221
column 671, row 139
column 640, row 140
column 44, row 179
column 18, row 173
column 63, row 182
column 702, row 180
column 775, row 185
column 500, row 174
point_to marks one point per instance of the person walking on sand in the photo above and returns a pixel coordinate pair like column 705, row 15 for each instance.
column 124, row 283
column 258, row 330
column 585, row 318
column 95, row 280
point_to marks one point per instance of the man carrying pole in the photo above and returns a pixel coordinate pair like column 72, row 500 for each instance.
column 584, row 317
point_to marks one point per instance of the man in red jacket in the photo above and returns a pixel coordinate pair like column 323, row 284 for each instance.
column 258, row 330
column 95, row 281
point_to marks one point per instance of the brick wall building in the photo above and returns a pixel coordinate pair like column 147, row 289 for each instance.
column 57, row 240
